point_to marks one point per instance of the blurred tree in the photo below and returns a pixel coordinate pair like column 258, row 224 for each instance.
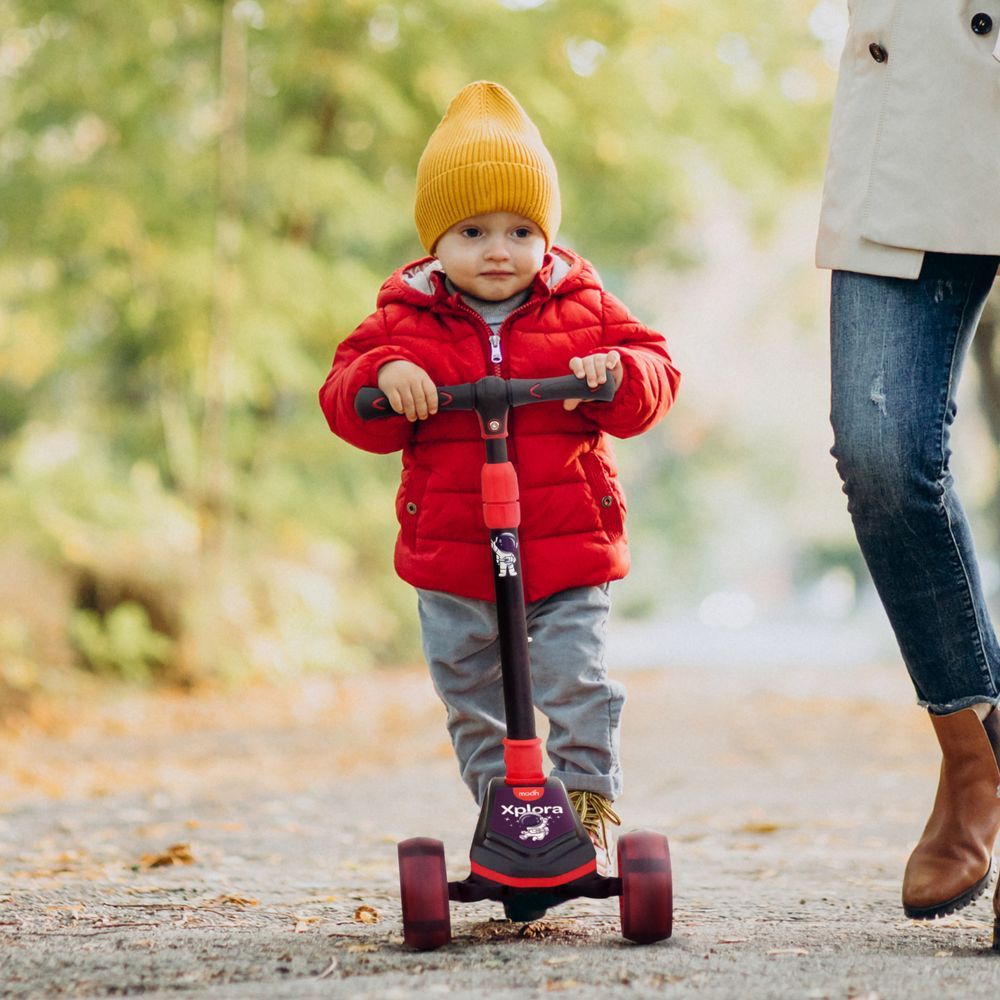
column 199, row 199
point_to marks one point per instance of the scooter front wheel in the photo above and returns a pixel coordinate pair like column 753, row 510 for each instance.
column 647, row 898
column 423, row 887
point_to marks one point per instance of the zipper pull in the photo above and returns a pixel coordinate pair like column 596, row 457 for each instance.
column 495, row 356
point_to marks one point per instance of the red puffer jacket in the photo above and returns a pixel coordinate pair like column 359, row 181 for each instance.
column 572, row 508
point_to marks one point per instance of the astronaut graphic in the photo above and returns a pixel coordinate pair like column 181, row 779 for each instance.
column 538, row 828
column 505, row 552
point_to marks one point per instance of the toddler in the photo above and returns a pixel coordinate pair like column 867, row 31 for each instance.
column 496, row 297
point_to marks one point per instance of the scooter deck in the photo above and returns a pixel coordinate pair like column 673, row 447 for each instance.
column 530, row 844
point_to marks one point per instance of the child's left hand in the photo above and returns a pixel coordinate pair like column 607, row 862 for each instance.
column 595, row 369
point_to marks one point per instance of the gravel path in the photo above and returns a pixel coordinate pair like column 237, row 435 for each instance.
column 242, row 846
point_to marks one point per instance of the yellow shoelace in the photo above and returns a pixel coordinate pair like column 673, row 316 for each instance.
column 595, row 813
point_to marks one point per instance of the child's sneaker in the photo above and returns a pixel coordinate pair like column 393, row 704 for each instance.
column 595, row 814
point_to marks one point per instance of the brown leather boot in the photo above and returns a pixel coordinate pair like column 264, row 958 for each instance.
column 951, row 865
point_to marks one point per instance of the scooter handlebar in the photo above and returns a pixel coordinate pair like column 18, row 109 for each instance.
column 540, row 390
column 372, row 404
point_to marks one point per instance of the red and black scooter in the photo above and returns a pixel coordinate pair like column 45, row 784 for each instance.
column 530, row 851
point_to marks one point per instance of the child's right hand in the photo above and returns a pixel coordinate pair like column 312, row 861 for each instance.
column 409, row 389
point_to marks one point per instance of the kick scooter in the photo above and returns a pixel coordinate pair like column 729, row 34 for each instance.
column 530, row 851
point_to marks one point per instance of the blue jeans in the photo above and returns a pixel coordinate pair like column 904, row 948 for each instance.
column 897, row 349
column 569, row 680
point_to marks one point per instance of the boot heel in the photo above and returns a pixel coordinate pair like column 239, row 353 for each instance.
column 996, row 935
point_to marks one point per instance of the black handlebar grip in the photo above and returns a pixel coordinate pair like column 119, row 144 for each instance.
column 528, row 390
column 372, row 404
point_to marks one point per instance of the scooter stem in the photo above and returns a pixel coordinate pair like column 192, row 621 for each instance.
column 502, row 513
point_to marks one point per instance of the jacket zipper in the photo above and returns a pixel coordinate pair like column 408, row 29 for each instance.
column 493, row 339
column 496, row 355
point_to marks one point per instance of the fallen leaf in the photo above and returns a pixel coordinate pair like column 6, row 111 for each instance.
column 175, row 854
column 537, row 929
column 367, row 915
column 788, row 951
column 759, row 826
column 230, row 900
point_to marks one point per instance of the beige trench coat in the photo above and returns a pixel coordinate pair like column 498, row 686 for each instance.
column 914, row 161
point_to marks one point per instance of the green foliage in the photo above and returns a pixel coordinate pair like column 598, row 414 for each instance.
column 122, row 643
column 155, row 257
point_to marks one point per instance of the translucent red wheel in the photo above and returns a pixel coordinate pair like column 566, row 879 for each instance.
column 423, row 886
column 647, row 899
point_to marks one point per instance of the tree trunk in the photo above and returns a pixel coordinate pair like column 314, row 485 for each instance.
column 217, row 485
column 205, row 646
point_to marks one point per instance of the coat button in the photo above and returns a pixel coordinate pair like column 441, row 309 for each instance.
column 982, row 24
column 411, row 508
column 878, row 52
column 607, row 501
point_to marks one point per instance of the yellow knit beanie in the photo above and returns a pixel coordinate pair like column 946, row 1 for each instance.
column 486, row 155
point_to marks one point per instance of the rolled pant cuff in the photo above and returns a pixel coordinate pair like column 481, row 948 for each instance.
column 608, row 785
column 946, row 708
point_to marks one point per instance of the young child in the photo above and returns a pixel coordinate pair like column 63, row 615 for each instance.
column 497, row 298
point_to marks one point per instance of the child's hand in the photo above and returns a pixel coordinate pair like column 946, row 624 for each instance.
column 595, row 368
column 409, row 389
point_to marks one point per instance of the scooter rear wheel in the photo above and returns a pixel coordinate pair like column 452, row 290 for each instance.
column 647, row 899
column 423, row 887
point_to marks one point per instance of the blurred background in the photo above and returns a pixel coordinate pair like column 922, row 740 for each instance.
column 199, row 200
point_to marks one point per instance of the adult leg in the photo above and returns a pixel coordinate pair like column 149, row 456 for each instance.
column 897, row 352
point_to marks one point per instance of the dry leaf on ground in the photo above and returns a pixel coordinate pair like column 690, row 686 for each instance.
column 367, row 915
column 558, row 985
column 759, row 826
column 175, row 854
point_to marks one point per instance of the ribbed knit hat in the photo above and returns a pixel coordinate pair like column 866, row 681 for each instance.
column 486, row 155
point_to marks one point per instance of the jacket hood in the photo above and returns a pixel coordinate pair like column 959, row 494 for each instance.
column 421, row 283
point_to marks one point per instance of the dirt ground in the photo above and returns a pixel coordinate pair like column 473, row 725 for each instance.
column 242, row 845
